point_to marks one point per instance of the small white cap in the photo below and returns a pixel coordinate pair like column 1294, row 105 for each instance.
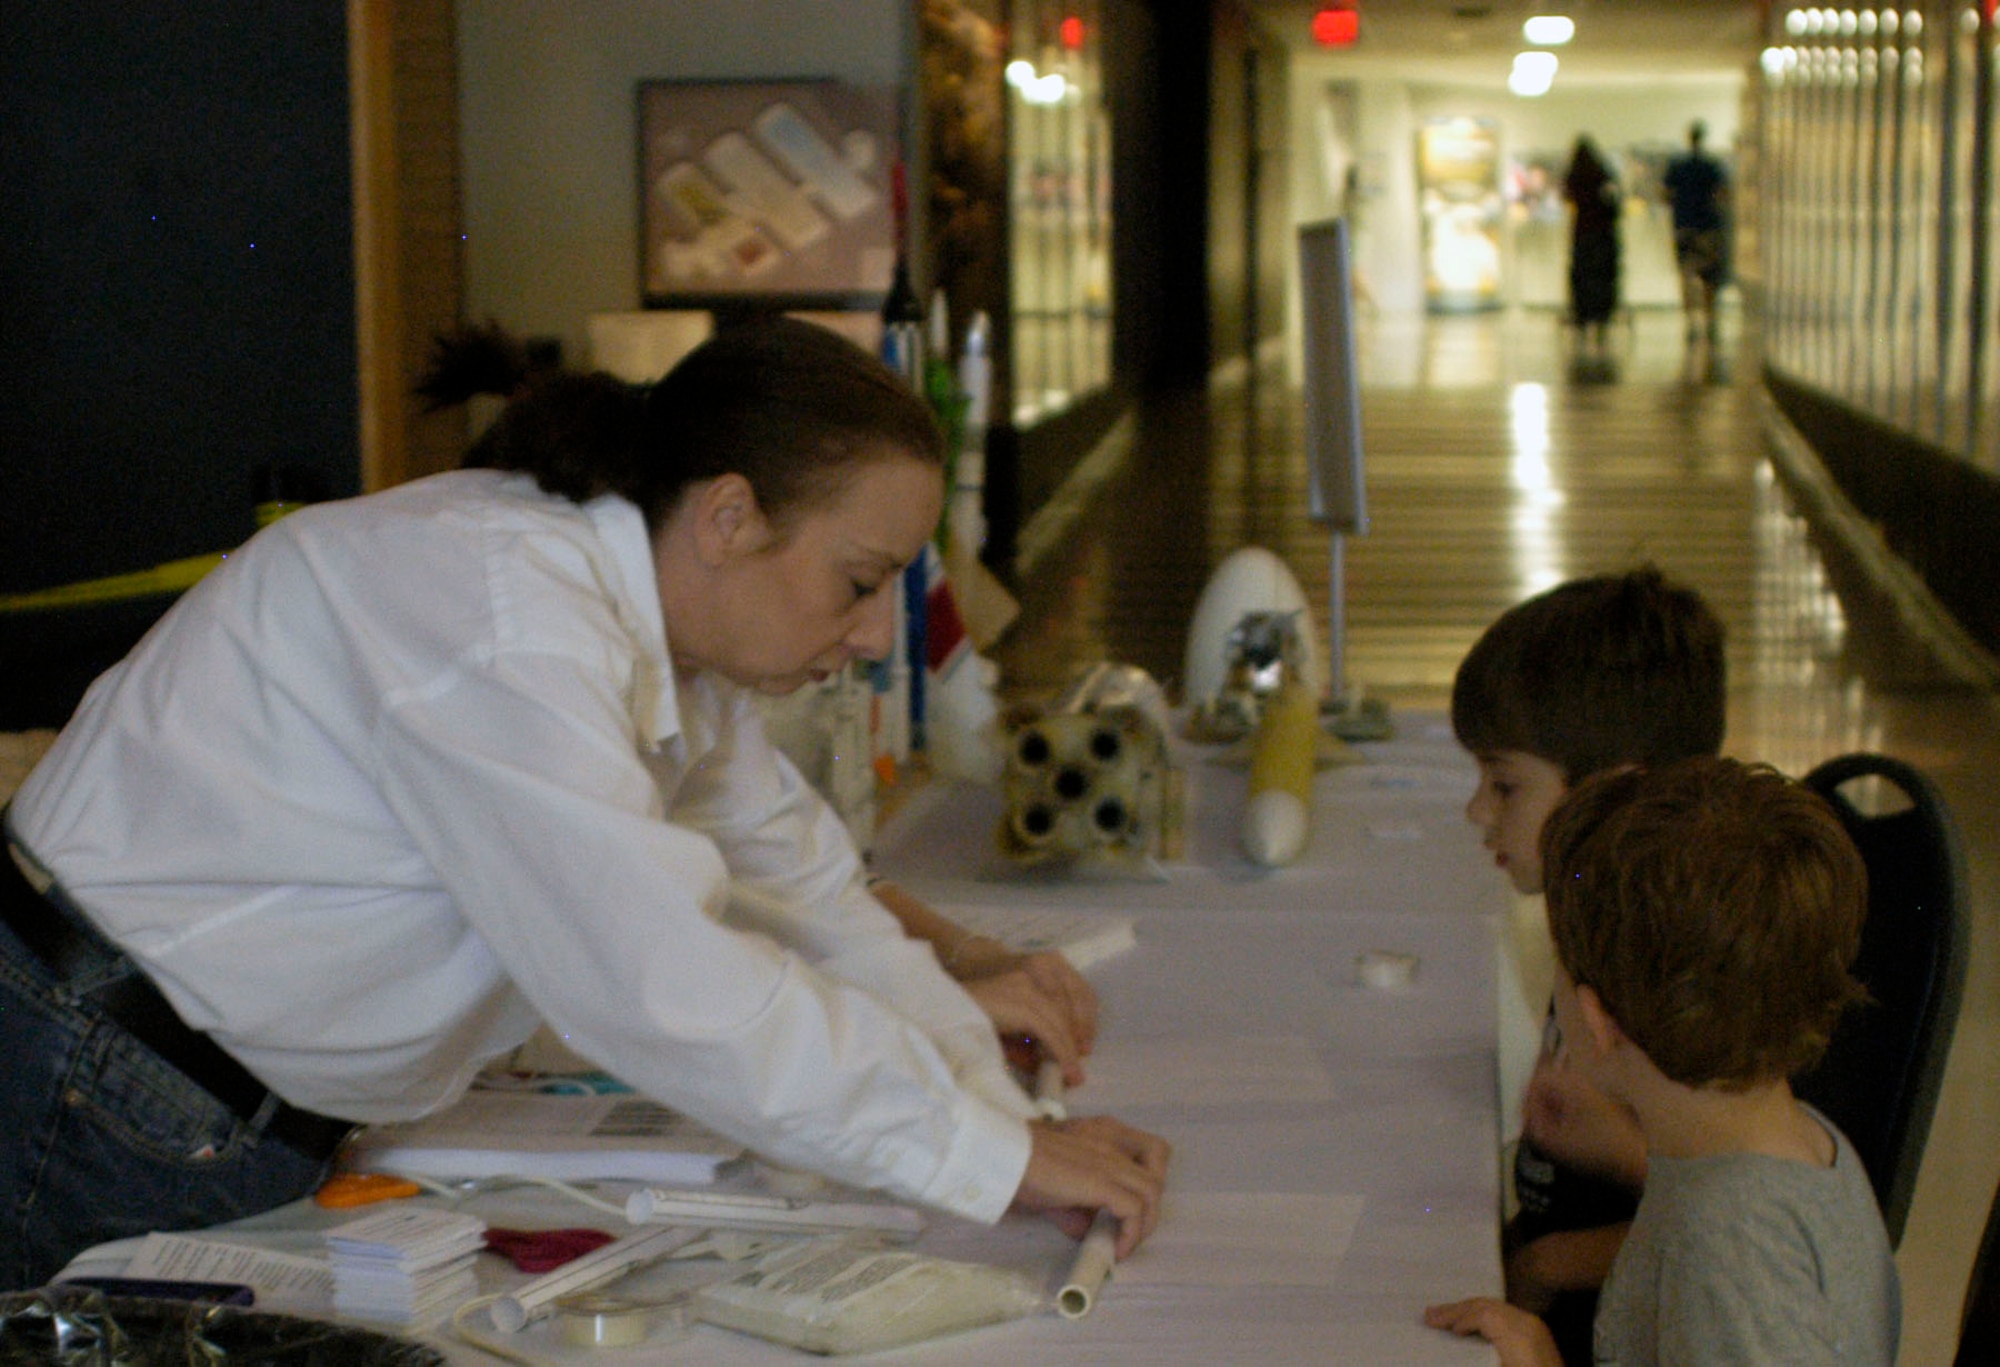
column 1382, row 968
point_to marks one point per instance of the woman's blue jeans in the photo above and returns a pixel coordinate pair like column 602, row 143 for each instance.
column 102, row 1139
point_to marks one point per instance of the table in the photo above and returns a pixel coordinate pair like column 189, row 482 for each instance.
column 1336, row 1162
column 1374, row 1109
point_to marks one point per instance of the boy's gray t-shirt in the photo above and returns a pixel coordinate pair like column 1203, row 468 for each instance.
column 1746, row 1258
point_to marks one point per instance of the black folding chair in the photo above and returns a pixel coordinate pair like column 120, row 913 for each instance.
column 1979, row 1324
column 1879, row 1080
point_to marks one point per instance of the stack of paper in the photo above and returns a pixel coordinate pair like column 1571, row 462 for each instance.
column 406, row 1266
column 523, row 1134
column 744, row 1210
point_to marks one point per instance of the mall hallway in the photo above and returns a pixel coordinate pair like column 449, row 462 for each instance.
column 1500, row 460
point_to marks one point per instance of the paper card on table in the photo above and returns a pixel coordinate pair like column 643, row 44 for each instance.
column 1248, row 1069
column 1246, row 1239
column 282, row 1281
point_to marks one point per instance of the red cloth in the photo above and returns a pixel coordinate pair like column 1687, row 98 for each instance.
column 544, row 1250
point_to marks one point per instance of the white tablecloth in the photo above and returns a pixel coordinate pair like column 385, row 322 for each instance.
column 1335, row 1145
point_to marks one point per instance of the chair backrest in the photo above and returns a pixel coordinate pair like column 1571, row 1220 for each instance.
column 1979, row 1323
column 1879, row 1080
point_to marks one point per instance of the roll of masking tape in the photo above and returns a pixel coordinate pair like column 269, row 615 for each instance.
column 589, row 1321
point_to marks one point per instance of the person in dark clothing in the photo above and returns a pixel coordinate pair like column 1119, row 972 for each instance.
column 1593, row 254
column 1698, row 194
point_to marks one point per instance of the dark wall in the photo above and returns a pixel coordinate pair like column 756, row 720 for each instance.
column 1162, row 100
column 176, row 266
column 1231, row 183
column 1938, row 514
column 1157, row 82
column 1250, row 242
column 1270, row 201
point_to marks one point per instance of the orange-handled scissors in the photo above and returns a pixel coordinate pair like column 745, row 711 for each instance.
column 347, row 1189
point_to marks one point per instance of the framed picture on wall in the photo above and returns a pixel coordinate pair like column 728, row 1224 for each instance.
column 766, row 194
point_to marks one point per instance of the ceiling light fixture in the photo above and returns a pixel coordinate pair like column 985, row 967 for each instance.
column 1533, row 73
column 1549, row 30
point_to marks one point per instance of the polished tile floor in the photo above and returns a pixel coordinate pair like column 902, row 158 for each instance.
column 1501, row 460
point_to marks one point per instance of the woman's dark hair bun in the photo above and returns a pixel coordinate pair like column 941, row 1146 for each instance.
column 579, row 435
column 791, row 406
column 479, row 359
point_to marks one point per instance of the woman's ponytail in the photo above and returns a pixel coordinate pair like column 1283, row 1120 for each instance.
column 792, row 407
column 580, row 435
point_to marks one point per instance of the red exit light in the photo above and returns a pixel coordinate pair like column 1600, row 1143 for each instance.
column 1336, row 26
column 1070, row 33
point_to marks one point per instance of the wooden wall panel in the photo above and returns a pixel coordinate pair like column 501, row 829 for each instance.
column 407, row 227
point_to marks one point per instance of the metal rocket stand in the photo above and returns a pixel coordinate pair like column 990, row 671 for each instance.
column 1338, row 493
column 1347, row 712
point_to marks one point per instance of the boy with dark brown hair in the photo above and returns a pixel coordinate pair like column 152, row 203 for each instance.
column 1704, row 915
column 1598, row 673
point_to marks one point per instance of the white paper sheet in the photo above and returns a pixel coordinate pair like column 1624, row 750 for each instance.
column 1246, row 1239
column 1243, row 1070
column 1084, row 938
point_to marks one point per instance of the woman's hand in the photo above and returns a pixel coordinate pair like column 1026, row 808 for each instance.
column 1038, row 995
column 1520, row 1339
column 1079, row 1167
column 1043, row 997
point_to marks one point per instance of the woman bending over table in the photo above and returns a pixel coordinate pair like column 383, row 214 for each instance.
column 412, row 773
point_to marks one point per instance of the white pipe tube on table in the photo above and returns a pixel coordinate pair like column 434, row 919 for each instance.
column 1091, row 1269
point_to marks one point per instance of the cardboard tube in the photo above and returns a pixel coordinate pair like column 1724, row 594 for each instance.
column 1283, row 755
column 1091, row 1269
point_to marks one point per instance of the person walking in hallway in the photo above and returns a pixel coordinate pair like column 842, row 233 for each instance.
column 1698, row 193
column 1593, row 254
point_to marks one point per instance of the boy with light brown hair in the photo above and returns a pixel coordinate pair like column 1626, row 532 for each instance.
column 1705, row 914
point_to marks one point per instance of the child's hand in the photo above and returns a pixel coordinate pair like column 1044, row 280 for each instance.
column 1518, row 1337
column 1527, row 1287
column 1568, row 1260
column 1579, row 1126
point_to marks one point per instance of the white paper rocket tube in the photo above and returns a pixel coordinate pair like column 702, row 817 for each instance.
column 1283, row 753
column 1091, row 1269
